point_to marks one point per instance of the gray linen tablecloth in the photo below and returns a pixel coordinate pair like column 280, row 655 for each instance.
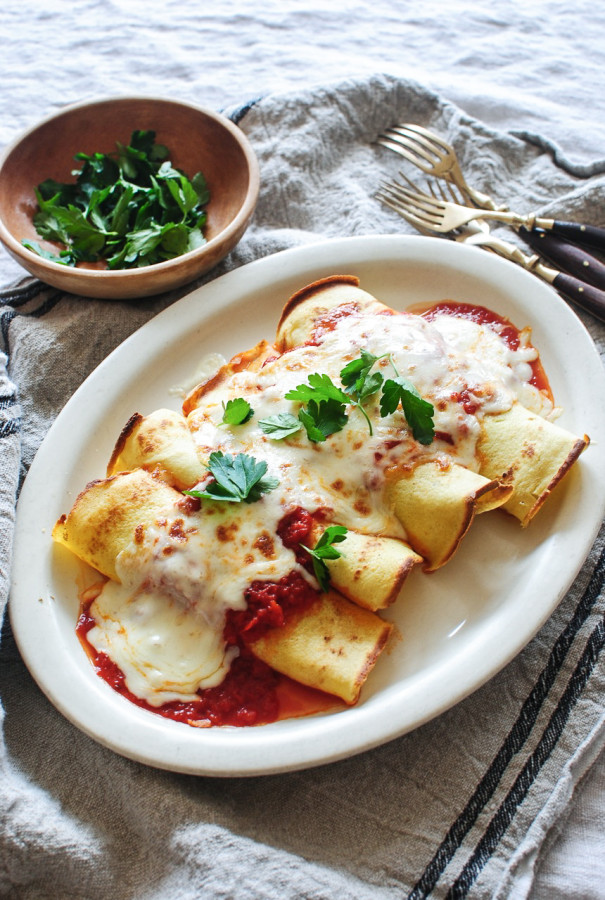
column 460, row 807
column 488, row 800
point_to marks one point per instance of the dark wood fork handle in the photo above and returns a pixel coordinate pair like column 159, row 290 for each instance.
column 566, row 256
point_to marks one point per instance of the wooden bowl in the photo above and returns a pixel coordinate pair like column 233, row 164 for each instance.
column 198, row 140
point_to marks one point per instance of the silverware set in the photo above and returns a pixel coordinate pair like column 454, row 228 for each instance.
column 450, row 206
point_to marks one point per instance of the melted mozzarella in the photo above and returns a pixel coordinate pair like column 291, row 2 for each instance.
column 443, row 359
column 493, row 371
column 165, row 651
column 164, row 625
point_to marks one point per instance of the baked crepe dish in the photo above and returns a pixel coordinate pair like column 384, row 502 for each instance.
column 249, row 543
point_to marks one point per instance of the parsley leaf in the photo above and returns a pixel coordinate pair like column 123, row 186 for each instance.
column 130, row 208
column 323, row 418
column 325, row 549
column 320, row 387
column 324, row 413
column 236, row 478
column 360, row 384
column 417, row 411
column 237, row 412
column 280, row 426
column 355, row 372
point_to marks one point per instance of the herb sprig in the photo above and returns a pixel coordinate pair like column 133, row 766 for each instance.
column 280, row 426
column 324, row 411
column 236, row 479
column 236, row 412
column 325, row 549
column 325, row 404
column 131, row 208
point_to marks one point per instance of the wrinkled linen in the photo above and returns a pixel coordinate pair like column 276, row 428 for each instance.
column 468, row 804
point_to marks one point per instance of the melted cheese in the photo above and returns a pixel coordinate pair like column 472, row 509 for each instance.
column 163, row 626
column 443, row 359
column 165, row 651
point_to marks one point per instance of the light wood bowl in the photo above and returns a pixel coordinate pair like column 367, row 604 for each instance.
column 198, row 140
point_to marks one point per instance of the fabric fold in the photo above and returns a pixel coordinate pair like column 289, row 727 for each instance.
column 447, row 810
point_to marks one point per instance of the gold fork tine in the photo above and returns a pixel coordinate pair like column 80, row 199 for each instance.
column 430, row 139
column 418, row 151
column 444, row 216
column 396, row 206
column 412, row 196
column 411, row 151
column 438, row 158
column 425, row 208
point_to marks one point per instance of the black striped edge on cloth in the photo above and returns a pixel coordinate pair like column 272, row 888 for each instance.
column 237, row 114
column 18, row 296
column 13, row 299
column 10, row 422
column 519, row 733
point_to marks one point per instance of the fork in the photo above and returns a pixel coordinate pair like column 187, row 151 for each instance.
column 433, row 156
column 581, row 293
column 426, row 211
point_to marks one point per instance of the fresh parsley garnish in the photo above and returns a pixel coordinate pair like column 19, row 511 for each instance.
column 360, row 383
column 237, row 412
column 319, row 387
column 322, row 418
column 236, row 479
column 131, row 208
column 280, row 426
column 324, row 413
column 417, row 411
column 363, row 383
column 355, row 374
column 325, row 549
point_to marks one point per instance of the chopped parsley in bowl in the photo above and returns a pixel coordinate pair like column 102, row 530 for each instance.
column 161, row 191
column 130, row 208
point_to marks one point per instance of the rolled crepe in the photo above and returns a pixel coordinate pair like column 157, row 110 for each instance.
column 104, row 518
column 436, row 505
column 318, row 306
column 372, row 569
column 332, row 646
column 539, row 452
column 160, row 439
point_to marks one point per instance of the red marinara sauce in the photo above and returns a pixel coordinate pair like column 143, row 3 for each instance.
column 502, row 326
column 251, row 693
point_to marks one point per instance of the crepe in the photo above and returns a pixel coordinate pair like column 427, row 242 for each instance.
column 436, row 505
column 317, row 308
column 538, row 452
column 252, row 359
column 107, row 513
column 372, row 569
column 332, row 647
column 158, row 440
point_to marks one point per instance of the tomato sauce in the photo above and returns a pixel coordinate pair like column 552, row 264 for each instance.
column 502, row 326
column 251, row 693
